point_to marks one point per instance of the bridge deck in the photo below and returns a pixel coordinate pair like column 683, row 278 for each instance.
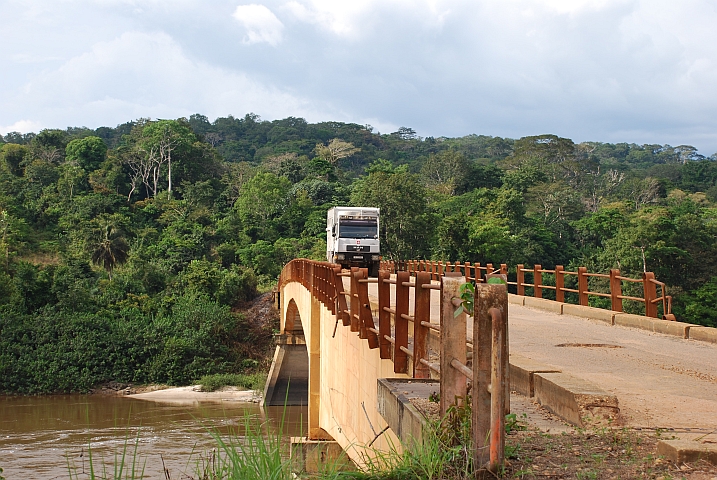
column 661, row 381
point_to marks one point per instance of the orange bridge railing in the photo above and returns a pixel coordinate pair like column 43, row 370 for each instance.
column 540, row 279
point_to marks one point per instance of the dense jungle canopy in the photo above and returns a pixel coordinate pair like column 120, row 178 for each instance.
column 125, row 252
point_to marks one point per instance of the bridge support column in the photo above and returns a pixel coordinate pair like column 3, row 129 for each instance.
column 317, row 456
column 314, row 350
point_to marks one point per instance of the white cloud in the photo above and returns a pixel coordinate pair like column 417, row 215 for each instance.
column 260, row 23
column 606, row 70
column 148, row 75
column 22, row 126
column 358, row 18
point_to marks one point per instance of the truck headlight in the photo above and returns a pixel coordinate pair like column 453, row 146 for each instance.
column 340, row 256
column 375, row 258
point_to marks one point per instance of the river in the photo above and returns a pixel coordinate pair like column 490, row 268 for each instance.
column 40, row 436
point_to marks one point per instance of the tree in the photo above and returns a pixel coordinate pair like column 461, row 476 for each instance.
column 160, row 140
column 88, row 153
column 262, row 199
column 13, row 156
column 446, row 172
column 406, row 226
column 49, row 145
column 335, row 150
column 111, row 250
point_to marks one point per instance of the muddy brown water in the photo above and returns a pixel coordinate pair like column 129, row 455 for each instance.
column 41, row 436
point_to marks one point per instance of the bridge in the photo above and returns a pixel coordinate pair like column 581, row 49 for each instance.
column 356, row 349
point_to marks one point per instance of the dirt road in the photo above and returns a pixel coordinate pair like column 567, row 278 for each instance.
column 659, row 380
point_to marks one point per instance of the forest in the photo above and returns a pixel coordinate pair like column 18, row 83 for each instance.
column 126, row 253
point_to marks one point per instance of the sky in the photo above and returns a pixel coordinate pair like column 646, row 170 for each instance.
column 636, row 71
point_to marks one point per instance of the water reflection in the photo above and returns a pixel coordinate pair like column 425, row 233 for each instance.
column 40, row 435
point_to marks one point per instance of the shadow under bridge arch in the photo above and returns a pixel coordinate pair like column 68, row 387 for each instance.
column 288, row 380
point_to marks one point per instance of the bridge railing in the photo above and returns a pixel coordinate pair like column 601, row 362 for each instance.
column 555, row 280
column 403, row 338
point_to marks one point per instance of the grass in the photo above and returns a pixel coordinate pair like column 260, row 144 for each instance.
column 251, row 381
column 259, row 453
column 427, row 460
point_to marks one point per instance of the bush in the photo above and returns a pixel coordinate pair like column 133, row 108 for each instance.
column 252, row 381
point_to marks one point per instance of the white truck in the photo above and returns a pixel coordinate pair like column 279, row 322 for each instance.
column 352, row 238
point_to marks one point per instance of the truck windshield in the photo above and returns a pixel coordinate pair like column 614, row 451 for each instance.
column 358, row 228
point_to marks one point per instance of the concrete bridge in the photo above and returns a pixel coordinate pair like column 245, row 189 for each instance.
column 580, row 362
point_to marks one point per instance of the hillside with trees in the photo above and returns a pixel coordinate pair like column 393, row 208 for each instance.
column 126, row 252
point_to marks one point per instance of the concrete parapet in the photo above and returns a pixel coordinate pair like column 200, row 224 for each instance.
column 522, row 372
column 705, row 334
column 543, row 304
column 607, row 316
column 516, row 299
column 396, row 408
column 685, row 451
column 575, row 400
column 677, row 329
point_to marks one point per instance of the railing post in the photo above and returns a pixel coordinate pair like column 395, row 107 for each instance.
column 453, row 345
column 650, row 290
column 520, row 279
column 537, row 281
column 400, row 358
column 583, row 285
column 477, row 272
column 490, row 323
column 421, row 313
column 384, row 317
column 615, row 290
column 489, row 268
column 559, row 283
column 342, row 308
column 467, row 269
column 354, row 310
column 503, row 269
column 365, row 316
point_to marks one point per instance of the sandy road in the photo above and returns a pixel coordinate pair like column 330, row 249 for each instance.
column 659, row 380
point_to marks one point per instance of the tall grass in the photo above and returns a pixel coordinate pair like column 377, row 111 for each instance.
column 429, row 459
column 259, row 453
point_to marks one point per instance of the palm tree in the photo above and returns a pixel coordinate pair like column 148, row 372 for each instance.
column 111, row 251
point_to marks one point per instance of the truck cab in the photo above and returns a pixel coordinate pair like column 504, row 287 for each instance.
column 352, row 238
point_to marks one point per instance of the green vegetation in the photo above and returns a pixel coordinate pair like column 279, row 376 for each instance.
column 126, row 252
column 251, row 381
column 260, row 452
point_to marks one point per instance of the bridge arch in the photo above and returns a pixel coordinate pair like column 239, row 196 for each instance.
column 292, row 320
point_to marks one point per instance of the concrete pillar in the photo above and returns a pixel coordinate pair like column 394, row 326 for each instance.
column 313, row 342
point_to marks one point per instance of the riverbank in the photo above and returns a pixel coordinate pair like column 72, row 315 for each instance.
column 194, row 394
